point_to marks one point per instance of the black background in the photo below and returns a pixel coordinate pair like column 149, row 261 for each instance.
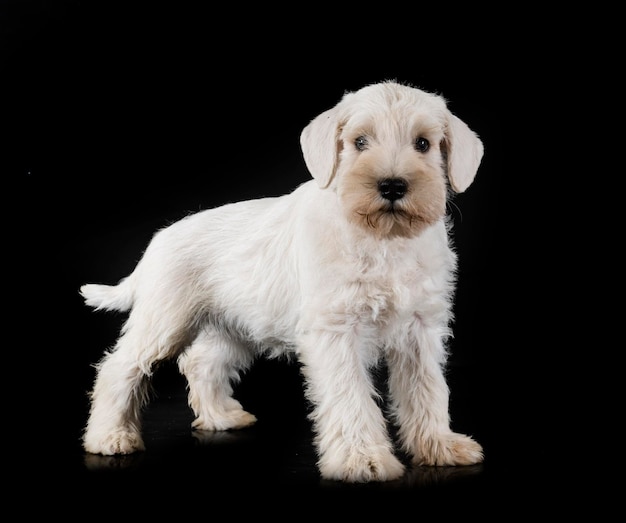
column 119, row 118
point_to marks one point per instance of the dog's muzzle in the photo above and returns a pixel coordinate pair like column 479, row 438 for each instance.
column 392, row 189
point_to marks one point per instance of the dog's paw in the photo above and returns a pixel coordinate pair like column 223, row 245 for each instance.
column 449, row 449
column 120, row 442
column 360, row 466
column 230, row 420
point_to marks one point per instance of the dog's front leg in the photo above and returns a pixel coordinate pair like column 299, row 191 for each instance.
column 350, row 430
column 420, row 398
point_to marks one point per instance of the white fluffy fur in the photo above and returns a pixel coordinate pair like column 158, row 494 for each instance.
column 334, row 273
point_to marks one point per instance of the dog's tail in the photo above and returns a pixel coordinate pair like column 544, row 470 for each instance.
column 109, row 297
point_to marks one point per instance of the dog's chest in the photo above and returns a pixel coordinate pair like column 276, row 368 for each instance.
column 382, row 287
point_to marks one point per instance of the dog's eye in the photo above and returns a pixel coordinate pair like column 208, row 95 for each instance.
column 361, row 143
column 422, row 145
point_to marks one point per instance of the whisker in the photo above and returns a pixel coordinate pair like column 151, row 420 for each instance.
column 455, row 207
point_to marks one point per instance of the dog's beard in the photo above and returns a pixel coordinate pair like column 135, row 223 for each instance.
column 391, row 219
column 423, row 205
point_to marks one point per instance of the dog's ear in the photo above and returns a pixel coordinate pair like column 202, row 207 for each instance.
column 464, row 151
column 320, row 146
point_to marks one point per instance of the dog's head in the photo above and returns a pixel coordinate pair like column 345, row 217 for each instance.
column 391, row 152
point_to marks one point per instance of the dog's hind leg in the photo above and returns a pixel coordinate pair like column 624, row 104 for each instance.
column 119, row 392
column 211, row 365
column 121, row 385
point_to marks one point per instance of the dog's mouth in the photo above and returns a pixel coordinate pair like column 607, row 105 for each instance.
column 391, row 219
column 390, row 209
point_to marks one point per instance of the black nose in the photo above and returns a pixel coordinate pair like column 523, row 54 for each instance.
column 392, row 189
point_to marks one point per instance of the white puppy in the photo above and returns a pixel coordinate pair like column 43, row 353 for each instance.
column 351, row 269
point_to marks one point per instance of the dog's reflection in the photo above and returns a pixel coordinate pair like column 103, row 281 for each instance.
column 117, row 462
column 416, row 476
column 220, row 437
column 425, row 476
column 134, row 460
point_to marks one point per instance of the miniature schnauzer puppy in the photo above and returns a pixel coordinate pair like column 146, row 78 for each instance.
column 352, row 269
